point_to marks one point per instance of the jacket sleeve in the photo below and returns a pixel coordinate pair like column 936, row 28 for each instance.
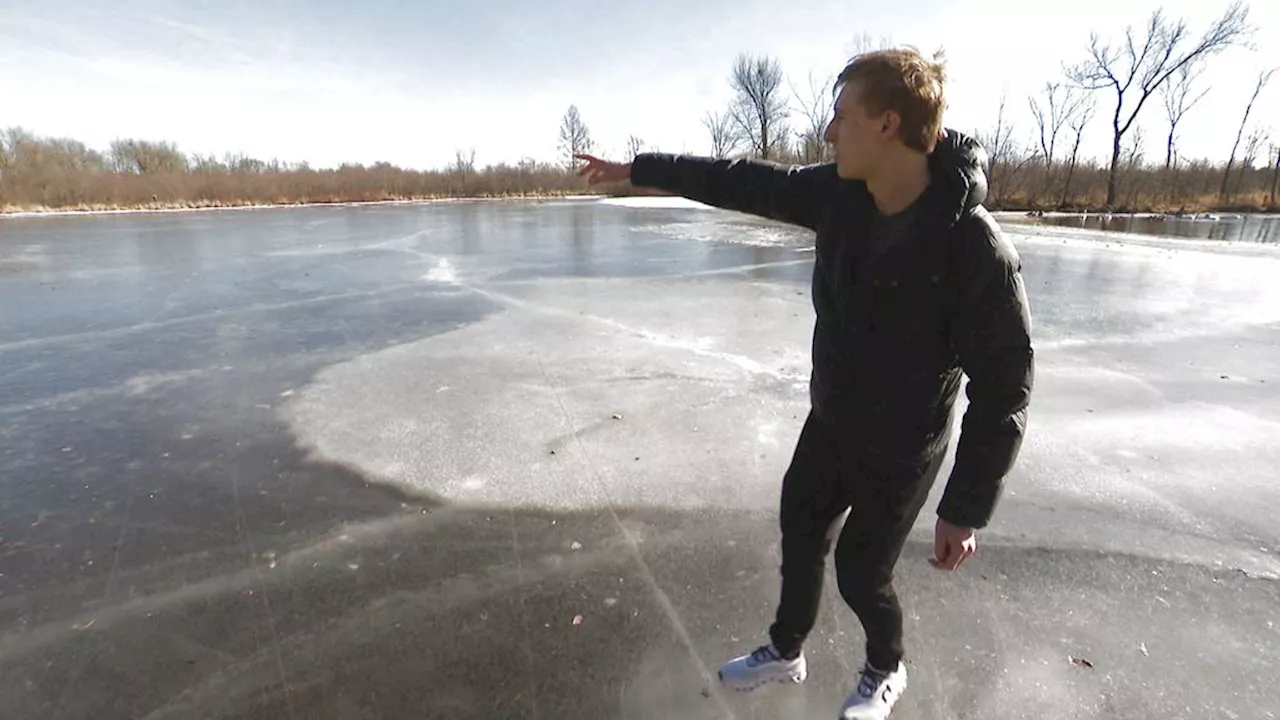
column 779, row 192
column 991, row 333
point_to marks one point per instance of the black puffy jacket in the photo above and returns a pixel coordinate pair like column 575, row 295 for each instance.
column 894, row 334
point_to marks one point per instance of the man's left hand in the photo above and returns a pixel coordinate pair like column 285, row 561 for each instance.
column 952, row 545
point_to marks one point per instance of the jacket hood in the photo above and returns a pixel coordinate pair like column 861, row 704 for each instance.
column 959, row 163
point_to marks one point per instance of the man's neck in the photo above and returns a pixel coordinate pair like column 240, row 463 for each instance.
column 903, row 181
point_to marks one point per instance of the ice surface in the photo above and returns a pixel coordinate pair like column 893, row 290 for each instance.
column 337, row 462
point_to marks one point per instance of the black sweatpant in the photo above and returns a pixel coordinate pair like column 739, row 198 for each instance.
column 825, row 478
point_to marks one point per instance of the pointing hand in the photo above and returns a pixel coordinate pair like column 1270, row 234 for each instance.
column 602, row 171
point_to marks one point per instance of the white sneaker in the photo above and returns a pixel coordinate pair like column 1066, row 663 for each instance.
column 761, row 667
column 876, row 694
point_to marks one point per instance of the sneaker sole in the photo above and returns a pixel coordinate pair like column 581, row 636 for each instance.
column 784, row 680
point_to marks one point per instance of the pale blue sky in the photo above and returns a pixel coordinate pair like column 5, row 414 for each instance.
column 328, row 81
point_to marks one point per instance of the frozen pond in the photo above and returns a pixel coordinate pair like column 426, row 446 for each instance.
column 522, row 459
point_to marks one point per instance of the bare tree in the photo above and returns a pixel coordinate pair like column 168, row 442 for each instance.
column 815, row 107
column 1133, row 162
column 1178, row 99
column 1049, row 120
column 635, row 146
column 758, row 110
column 575, row 138
column 20, row 147
column 7, row 152
column 787, row 151
column 997, row 142
column 1252, row 145
column 1007, row 158
column 62, row 157
column 723, row 139
column 143, row 157
column 1140, row 65
column 1263, row 79
column 1077, row 123
column 241, row 163
column 464, row 161
column 1275, row 174
column 1063, row 104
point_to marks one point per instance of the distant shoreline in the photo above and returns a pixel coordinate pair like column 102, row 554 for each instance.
column 150, row 208
column 1205, row 216
column 155, row 208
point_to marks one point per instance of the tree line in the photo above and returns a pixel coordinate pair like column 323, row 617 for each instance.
column 1158, row 65
column 54, row 173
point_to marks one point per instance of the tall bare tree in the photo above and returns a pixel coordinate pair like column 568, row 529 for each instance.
column 1077, row 122
column 814, row 105
column 1062, row 103
column 1178, row 100
column 1049, row 118
column 1141, row 64
column 575, row 137
column 759, row 108
column 723, row 139
column 1263, row 79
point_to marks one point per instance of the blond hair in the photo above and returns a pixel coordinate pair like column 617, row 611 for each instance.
column 902, row 80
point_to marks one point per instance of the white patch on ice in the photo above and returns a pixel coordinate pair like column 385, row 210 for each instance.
column 444, row 271
column 656, row 201
column 767, row 433
column 526, row 420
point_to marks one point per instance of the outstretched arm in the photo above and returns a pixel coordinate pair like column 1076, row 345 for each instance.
column 788, row 193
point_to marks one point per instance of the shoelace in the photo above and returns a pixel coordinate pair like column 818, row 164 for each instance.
column 764, row 653
column 870, row 682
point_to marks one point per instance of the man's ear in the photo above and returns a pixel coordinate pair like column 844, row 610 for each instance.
column 890, row 121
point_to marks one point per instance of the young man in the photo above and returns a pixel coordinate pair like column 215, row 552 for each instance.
column 913, row 285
